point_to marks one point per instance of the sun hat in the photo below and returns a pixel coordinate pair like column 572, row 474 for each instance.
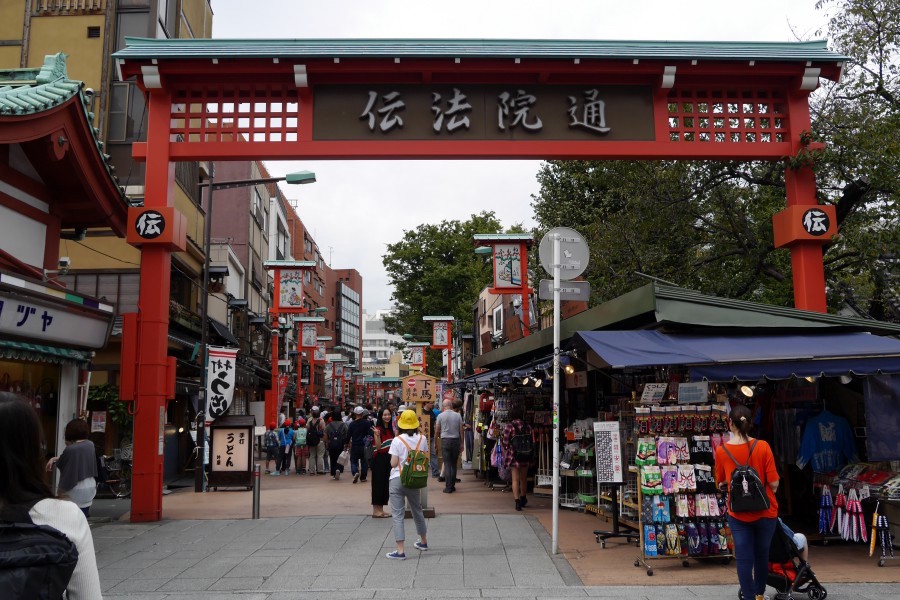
column 408, row 420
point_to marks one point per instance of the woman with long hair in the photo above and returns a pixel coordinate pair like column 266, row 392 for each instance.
column 752, row 531
column 383, row 433
column 22, row 485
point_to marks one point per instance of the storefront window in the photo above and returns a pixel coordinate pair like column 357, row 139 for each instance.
column 38, row 383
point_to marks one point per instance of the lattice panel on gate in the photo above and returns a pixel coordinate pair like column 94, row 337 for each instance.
column 727, row 116
column 235, row 114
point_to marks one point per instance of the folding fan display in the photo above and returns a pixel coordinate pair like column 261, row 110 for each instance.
column 853, row 526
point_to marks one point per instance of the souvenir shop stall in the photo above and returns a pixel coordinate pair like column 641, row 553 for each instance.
column 831, row 421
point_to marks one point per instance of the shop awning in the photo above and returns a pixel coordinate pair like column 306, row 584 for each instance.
column 223, row 332
column 719, row 357
column 10, row 349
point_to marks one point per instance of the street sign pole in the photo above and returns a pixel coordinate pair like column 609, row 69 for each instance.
column 556, row 310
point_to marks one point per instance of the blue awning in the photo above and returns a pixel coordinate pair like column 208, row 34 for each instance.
column 748, row 357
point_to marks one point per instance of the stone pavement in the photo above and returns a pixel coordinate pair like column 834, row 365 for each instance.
column 471, row 556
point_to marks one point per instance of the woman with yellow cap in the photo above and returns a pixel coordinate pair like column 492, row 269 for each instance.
column 408, row 439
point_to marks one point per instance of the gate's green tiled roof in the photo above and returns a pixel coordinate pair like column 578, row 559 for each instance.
column 146, row 48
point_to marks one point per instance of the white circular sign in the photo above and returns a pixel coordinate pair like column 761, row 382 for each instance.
column 573, row 250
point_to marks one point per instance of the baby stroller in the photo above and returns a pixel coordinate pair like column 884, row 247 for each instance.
column 789, row 574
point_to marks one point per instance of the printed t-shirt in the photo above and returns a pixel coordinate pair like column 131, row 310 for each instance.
column 762, row 460
column 398, row 449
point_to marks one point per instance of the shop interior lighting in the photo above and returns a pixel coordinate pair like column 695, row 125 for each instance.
column 538, row 383
column 527, row 380
column 810, row 379
column 846, row 379
column 548, row 374
column 747, row 390
column 569, row 369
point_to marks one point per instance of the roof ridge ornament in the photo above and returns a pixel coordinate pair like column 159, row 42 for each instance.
column 53, row 69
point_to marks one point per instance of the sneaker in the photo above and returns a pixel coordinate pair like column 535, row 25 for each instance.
column 421, row 546
column 333, row 478
column 362, row 480
column 356, row 478
column 442, row 479
column 276, row 474
column 337, row 474
column 396, row 555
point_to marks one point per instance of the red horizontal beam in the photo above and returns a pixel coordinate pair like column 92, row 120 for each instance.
column 486, row 149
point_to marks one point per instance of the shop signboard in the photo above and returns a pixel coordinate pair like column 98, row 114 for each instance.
column 48, row 322
column 578, row 379
column 653, row 393
column 608, row 452
column 220, row 375
column 230, row 449
column 693, row 393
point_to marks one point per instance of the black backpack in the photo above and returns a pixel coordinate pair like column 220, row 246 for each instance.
column 36, row 561
column 522, row 446
column 337, row 436
column 746, row 492
column 313, row 433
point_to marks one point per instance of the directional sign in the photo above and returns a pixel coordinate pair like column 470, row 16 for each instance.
column 570, row 290
column 574, row 253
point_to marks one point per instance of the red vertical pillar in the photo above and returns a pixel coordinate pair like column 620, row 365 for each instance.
column 800, row 185
column 526, row 303
column 272, row 399
column 153, row 328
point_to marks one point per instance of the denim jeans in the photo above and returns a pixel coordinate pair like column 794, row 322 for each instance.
column 358, row 463
column 434, row 457
column 751, row 549
column 450, row 450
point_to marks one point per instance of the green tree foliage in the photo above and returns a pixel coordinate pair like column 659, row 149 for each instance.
column 707, row 225
column 435, row 271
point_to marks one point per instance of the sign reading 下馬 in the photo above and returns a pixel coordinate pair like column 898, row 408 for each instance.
column 608, row 452
column 220, row 375
column 230, row 449
column 483, row 112
column 507, row 266
column 418, row 388
column 308, row 335
column 290, row 295
column 319, row 355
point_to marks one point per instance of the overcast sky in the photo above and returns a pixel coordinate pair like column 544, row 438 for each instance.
column 356, row 208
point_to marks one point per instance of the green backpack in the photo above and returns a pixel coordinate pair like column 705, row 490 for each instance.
column 414, row 471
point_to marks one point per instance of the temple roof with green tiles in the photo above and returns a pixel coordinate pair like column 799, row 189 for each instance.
column 146, row 48
column 29, row 91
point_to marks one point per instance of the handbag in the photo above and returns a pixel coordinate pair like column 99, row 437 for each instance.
column 369, row 452
column 344, row 458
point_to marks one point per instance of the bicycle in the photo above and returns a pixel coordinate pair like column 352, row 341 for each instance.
column 119, row 479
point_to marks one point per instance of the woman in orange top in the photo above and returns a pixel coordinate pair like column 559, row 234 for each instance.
column 752, row 531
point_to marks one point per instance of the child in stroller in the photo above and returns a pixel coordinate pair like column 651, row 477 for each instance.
column 789, row 571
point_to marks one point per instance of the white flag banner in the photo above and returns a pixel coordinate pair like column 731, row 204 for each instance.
column 221, row 365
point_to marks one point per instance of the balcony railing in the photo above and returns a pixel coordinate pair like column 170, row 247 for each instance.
column 68, row 7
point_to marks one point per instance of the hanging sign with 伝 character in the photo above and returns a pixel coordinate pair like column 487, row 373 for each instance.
column 319, row 354
column 220, row 376
column 507, row 266
column 291, row 289
column 440, row 334
column 308, row 335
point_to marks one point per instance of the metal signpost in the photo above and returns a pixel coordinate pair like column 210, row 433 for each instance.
column 565, row 255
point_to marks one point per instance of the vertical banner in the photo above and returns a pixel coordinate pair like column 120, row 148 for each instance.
column 290, row 297
column 304, row 373
column 507, row 266
column 339, row 371
column 308, row 335
column 440, row 337
column 319, row 355
column 348, row 375
column 608, row 451
column 220, row 375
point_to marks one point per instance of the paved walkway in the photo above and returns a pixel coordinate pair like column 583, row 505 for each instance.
column 472, row 556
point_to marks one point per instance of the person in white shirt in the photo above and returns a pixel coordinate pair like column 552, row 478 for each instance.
column 22, row 485
column 408, row 439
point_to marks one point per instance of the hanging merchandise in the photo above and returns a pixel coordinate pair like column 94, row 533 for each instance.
column 881, row 528
column 854, row 527
column 827, row 443
column 651, row 480
column 826, row 509
column 840, row 506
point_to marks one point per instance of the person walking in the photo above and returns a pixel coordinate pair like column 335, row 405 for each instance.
column 514, row 444
column 336, row 439
column 270, row 441
column 359, row 431
column 301, row 451
column 383, row 433
column 315, row 441
column 285, row 446
column 77, row 466
column 25, row 495
column 448, row 426
column 430, row 410
column 752, row 531
column 408, row 439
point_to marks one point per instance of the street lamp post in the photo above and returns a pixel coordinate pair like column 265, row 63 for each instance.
column 304, row 322
column 299, row 178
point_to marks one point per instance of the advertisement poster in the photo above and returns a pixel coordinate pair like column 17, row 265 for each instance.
column 608, row 451
column 98, row 421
